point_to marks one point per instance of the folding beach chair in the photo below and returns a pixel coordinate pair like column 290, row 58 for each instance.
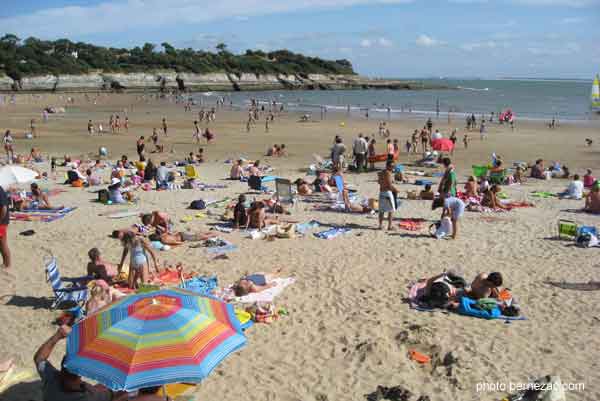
column 191, row 172
column 65, row 289
column 283, row 192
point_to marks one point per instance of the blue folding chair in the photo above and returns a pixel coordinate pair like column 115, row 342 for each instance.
column 65, row 289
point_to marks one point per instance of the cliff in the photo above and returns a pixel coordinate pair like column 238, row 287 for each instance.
column 170, row 80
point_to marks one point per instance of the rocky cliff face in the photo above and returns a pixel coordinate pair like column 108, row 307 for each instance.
column 169, row 80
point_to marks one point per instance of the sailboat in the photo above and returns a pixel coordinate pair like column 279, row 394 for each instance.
column 596, row 95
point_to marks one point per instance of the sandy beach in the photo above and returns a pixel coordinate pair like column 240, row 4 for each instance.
column 348, row 329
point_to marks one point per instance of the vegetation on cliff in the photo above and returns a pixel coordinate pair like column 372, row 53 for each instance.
column 29, row 57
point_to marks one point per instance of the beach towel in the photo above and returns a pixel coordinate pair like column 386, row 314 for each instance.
column 201, row 285
column 302, row 228
column 41, row 216
column 266, row 296
column 543, row 195
column 332, row 233
column 411, row 224
column 122, row 214
column 468, row 307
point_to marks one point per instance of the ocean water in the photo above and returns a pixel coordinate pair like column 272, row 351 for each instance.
column 529, row 99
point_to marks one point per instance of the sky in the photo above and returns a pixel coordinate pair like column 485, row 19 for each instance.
column 384, row 38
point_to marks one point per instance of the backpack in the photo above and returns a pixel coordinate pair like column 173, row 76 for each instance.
column 198, row 205
column 103, row 196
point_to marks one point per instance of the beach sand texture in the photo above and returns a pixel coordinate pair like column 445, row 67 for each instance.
column 348, row 328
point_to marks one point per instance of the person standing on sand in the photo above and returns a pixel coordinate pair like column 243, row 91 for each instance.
column 388, row 193
column 90, row 128
column 197, row 133
column 164, row 126
column 482, row 130
column 4, row 220
column 33, row 128
column 466, row 141
column 429, row 125
column 8, row 146
column 447, row 185
column 359, row 149
column 141, row 146
column 126, row 125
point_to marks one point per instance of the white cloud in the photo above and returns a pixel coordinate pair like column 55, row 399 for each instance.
column 428, row 41
column 366, row 43
column 384, row 42
column 124, row 15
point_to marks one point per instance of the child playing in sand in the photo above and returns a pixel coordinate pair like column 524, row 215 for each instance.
column 427, row 193
column 256, row 282
column 138, row 265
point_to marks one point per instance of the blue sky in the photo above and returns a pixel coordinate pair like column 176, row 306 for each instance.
column 393, row 38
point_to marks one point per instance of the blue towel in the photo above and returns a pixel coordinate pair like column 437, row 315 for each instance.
column 268, row 178
column 201, row 285
column 423, row 182
column 332, row 233
column 302, row 228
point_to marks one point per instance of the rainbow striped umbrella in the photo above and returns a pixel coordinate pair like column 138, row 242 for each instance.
column 153, row 339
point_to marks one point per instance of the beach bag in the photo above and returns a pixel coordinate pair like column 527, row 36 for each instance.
column 77, row 184
column 103, row 196
column 198, row 205
column 442, row 228
column 586, row 240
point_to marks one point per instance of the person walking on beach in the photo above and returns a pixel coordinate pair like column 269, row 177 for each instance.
column 414, row 141
column 141, row 146
column 90, row 128
column 164, row 126
column 482, row 130
column 197, row 133
column 387, row 194
column 126, row 124
column 4, row 220
column 8, row 146
column 429, row 125
column 34, row 132
column 359, row 149
column 466, row 141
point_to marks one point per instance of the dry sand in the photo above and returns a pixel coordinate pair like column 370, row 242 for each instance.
column 348, row 329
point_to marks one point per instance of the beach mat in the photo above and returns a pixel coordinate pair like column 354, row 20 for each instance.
column 267, row 295
column 40, row 216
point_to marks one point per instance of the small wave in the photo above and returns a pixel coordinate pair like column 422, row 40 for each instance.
column 474, row 89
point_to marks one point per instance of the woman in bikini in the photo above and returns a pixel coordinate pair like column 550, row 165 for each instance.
column 139, row 248
column 256, row 282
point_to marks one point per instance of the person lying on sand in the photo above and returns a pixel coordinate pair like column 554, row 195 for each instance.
column 256, row 282
column 180, row 238
column 444, row 290
column 592, row 200
column 485, row 286
column 98, row 268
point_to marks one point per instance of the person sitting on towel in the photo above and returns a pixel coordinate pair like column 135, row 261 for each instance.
column 98, row 268
column 592, row 200
column 240, row 217
column 485, row 286
column 256, row 282
column 490, row 198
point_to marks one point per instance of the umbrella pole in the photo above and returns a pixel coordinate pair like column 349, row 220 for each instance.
column 165, row 392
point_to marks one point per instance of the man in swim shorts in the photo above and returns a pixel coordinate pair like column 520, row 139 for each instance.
column 387, row 194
